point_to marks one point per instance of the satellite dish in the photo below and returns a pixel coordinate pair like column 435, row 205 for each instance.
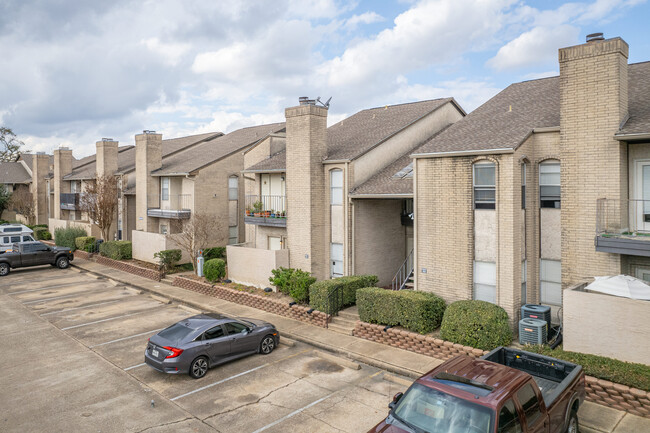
column 324, row 104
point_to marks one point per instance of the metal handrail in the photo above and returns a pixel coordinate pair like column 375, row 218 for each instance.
column 267, row 204
column 403, row 273
column 334, row 301
column 174, row 202
column 621, row 217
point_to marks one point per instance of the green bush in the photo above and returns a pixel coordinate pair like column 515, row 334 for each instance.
column 320, row 291
column 416, row 311
column 214, row 269
column 477, row 324
column 41, row 234
column 293, row 282
column 116, row 250
column 66, row 237
column 625, row 373
column 168, row 258
column 214, row 253
column 85, row 243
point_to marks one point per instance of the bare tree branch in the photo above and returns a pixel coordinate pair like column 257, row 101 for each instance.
column 99, row 201
column 196, row 234
column 9, row 145
column 22, row 201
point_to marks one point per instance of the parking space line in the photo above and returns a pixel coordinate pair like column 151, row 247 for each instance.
column 71, row 295
column 56, row 286
column 104, row 320
column 65, row 310
column 295, row 412
column 134, row 366
column 126, row 338
column 238, row 375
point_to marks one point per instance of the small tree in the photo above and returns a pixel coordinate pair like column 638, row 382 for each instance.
column 22, row 201
column 5, row 196
column 100, row 203
column 9, row 145
column 196, row 234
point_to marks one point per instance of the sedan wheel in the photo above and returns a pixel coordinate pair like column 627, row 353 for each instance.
column 267, row 345
column 198, row 368
column 4, row 269
column 62, row 263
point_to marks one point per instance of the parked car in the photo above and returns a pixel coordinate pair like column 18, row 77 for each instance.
column 11, row 234
column 34, row 254
column 507, row 390
column 200, row 342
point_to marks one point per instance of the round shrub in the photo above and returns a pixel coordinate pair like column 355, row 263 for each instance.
column 478, row 324
column 214, row 269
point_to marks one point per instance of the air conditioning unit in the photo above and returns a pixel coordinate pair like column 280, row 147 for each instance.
column 533, row 331
column 534, row 311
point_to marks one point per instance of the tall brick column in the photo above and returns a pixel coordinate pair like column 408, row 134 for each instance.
column 62, row 167
column 106, row 157
column 40, row 170
column 594, row 99
column 148, row 157
column 305, row 186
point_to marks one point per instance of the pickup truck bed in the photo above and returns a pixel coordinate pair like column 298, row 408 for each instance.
column 552, row 376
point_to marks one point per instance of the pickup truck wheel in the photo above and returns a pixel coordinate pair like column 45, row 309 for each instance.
column 573, row 423
column 62, row 262
column 4, row 269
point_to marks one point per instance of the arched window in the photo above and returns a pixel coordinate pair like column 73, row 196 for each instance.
column 336, row 186
column 549, row 184
column 484, row 175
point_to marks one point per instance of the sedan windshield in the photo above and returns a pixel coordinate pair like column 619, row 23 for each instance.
column 432, row 411
column 175, row 333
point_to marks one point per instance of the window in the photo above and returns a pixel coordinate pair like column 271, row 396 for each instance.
column 163, row 229
column 524, row 279
column 27, row 239
column 523, row 186
column 549, row 185
column 164, row 188
column 484, row 185
column 508, row 419
column 233, row 185
column 233, row 235
column 215, row 332
column 529, row 403
column 15, row 239
column 235, row 327
column 41, row 247
column 336, row 257
column 550, row 281
column 336, row 187
column 485, row 281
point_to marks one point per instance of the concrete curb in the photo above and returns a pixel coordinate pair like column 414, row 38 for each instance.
column 337, row 360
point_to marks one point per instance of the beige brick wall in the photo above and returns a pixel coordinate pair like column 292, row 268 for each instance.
column 62, row 167
column 40, row 170
column 148, row 157
column 593, row 86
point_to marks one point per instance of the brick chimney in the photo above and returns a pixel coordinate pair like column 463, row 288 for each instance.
column 593, row 104
column 106, row 161
column 62, row 167
column 307, row 210
column 40, row 171
column 148, row 157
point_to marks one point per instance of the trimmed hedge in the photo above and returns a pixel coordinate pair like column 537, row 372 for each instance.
column 478, row 324
column 416, row 311
column 214, row 253
column 320, row 291
column 625, row 373
column 293, row 282
column 214, row 269
column 85, row 243
column 168, row 258
column 41, row 234
column 116, row 250
column 66, row 237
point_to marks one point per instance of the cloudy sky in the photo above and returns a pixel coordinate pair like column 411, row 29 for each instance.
column 76, row 71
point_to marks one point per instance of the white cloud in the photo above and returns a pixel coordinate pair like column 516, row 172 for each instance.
column 171, row 52
column 536, row 47
column 365, row 18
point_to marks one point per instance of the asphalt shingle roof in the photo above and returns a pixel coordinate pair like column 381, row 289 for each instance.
column 215, row 149
column 639, row 99
column 85, row 168
column 277, row 161
column 13, row 172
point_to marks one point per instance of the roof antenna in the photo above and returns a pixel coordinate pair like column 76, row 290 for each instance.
column 325, row 104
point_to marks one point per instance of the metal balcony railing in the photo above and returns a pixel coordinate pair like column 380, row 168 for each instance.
column 266, row 210
column 69, row 201
column 174, row 206
column 623, row 226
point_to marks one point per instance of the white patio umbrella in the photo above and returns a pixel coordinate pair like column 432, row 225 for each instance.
column 621, row 285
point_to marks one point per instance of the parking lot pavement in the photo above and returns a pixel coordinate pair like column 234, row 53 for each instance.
column 74, row 351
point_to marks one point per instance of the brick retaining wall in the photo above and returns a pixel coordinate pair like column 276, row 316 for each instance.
column 614, row 395
column 296, row 312
column 130, row 268
column 78, row 254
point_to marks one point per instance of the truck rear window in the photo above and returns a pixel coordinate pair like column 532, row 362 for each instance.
column 433, row 411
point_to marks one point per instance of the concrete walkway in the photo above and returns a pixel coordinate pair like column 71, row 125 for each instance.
column 593, row 417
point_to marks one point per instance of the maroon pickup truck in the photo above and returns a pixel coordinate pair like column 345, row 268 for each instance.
column 506, row 391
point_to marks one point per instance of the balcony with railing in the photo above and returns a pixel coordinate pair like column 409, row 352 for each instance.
column 623, row 227
column 266, row 210
column 172, row 206
column 70, row 201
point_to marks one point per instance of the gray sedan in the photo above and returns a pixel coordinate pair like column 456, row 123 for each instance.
column 195, row 344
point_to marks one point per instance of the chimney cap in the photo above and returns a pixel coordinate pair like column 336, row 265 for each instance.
column 148, row 131
column 304, row 100
column 41, row 153
column 107, row 139
column 592, row 37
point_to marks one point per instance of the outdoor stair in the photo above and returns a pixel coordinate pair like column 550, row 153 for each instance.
column 410, row 284
column 346, row 320
column 168, row 280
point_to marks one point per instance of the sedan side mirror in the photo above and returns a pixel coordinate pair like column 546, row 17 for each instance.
column 396, row 399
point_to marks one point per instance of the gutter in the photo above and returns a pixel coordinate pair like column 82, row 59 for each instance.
column 386, row 196
column 463, row 153
column 271, row 170
column 632, row 137
column 546, row 129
